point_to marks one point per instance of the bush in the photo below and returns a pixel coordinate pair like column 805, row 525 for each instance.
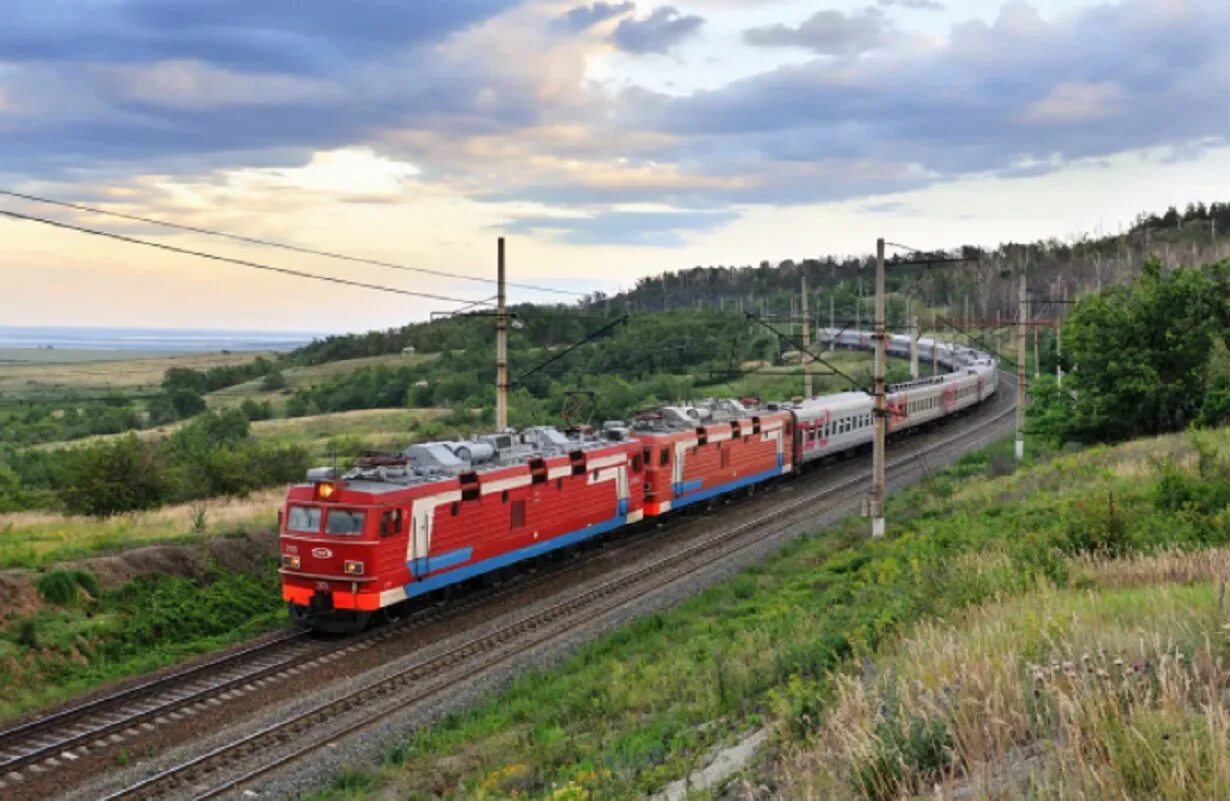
column 256, row 411
column 64, row 587
column 108, row 478
column 273, row 381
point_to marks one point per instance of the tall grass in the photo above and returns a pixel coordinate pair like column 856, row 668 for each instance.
column 1058, row 694
column 37, row 539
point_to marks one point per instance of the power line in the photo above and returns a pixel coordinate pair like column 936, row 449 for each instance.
column 228, row 260
column 270, row 243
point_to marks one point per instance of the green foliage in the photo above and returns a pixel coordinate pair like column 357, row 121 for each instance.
column 273, row 381
column 186, row 402
column 64, row 586
column 202, row 382
column 254, row 410
column 107, row 478
column 212, row 455
column 1140, row 354
column 151, row 622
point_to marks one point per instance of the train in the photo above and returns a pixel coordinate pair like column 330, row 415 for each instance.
column 396, row 528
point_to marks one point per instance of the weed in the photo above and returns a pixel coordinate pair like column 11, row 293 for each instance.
column 199, row 516
column 64, row 587
column 352, row 778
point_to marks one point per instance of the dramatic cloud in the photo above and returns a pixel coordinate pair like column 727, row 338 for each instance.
column 829, row 33
column 657, row 33
column 491, row 105
column 582, row 18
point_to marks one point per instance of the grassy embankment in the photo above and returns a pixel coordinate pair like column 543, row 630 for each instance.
column 1068, row 659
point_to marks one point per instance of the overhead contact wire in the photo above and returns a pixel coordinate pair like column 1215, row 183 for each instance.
column 282, row 245
column 229, row 260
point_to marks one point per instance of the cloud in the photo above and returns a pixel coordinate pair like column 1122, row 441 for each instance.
column 279, row 35
column 829, row 33
column 657, row 33
column 1075, row 102
column 920, row 5
column 581, row 18
column 1107, row 80
column 646, row 228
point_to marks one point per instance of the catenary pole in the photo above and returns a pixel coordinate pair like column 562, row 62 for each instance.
column 806, row 359
column 880, row 414
column 1022, row 321
column 501, row 343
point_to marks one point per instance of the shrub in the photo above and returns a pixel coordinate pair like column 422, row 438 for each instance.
column 107, row 478
column 27, row 634
column 273, row 381
column 64, row 587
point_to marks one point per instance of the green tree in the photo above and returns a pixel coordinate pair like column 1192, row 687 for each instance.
column 108, row 478
column 1140, row 354
column 186, row 402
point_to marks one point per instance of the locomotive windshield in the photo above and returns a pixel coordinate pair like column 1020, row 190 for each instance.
column 344, row 521
column 303, row 518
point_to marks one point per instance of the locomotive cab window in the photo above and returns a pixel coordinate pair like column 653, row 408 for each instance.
column 345, row 521
column 664, row 458
column 303, row 518
column 637, row 464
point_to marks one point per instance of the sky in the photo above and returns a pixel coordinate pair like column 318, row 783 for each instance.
column 606, row 141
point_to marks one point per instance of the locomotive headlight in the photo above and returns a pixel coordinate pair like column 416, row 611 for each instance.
column 353, row 568
column 325, row 491
column 292, row 562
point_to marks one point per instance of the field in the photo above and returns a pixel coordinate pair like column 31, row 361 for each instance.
column 958, row 658
column 302, row 377
column 52, row 373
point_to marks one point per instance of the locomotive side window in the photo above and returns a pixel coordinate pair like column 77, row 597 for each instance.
column 664, row 458
column 303, row 518
column 637, row 464
column 344, row 521
column 517, row 514
column 390, row 523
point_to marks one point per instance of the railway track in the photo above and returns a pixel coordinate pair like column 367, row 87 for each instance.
column 37, row 748
column 228, row 767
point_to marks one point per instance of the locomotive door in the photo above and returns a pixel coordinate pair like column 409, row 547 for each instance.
column 621, row 489
column 420, row 540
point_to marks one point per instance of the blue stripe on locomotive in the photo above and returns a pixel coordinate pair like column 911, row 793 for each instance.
column 719, row 489
column 437, row 581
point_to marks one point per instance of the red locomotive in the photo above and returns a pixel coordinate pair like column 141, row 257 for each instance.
column 398, row 526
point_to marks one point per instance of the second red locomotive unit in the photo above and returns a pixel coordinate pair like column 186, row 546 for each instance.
column 398, row 526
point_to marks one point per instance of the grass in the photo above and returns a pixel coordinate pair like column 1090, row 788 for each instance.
column 347, row 432
column 778, row 645
column 50, row 379
column 1110, row 691
column 35, row 540
column 85, row 637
